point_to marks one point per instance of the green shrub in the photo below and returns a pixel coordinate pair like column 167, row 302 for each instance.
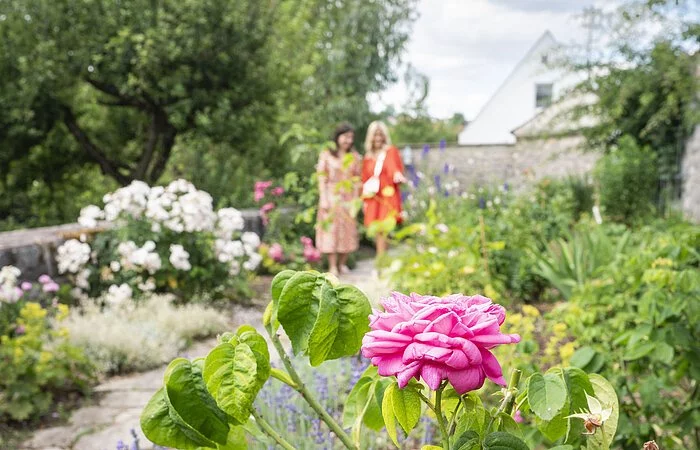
column 627, row 178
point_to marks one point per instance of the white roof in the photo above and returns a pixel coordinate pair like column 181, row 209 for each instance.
column 513, row 104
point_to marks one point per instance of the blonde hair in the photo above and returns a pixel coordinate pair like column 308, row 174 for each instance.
column 375, row 126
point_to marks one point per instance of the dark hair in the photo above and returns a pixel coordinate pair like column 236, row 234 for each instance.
column 341, row 129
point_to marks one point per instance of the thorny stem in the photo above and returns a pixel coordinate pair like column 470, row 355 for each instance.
column 267, row 428
column 508, row 401
column 310, row 399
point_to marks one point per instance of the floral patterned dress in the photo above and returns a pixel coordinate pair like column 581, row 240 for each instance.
column 338, row 184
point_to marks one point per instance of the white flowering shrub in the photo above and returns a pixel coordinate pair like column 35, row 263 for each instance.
column 160, row 239
column 127, row 337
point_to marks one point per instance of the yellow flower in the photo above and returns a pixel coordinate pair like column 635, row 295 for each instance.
column 45, row 357
column 530, row 310
column 662, row 262
column 468, row 270
column 560, row 328
column 388, row 191
column 62, row 332
column 18, row 352
column 172, row 282
column 566, row 351
column 62, row 311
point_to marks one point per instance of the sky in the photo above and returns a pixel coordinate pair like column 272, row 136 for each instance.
column 468, row 47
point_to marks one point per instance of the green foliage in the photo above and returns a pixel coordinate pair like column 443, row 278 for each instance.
column 628, row 181
column 323, row 320
column 195, row 89
column 39, row 364
column 402, row 406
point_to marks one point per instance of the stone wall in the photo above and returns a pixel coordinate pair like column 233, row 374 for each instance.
column 518, row 165
column 690, row 202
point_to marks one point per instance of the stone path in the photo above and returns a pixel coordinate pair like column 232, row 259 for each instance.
column 121, row 399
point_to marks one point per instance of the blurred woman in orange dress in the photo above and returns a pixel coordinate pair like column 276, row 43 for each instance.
column 338, row 183
column 382, row 173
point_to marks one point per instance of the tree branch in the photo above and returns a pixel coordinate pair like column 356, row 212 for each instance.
column 108, row 166
column 167, row 143
column 124, row 100
column 149, row 149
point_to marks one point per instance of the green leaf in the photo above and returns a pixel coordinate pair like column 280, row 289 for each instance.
column 161, row 429
column 582, row 357
column 236, row 371
column 638, row 350
column 663, row 353
column 298, row 308
column 191, row 406
column 555, row 428
column 469, row 440
column 546, row 395
column 323, row 321
column 407, row 407
column 282, row 376
column 562, row 447
column 430, row 447
column 606, row 395
column 388, row 414
column 504, row 441
column 508, row 424
column 276, row 289
column 578, row 385
column 236, row 439
column 473, row 416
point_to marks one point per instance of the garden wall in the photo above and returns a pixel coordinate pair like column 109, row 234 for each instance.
column 519, row 164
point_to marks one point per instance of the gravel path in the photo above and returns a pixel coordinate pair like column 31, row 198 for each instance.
column 121, row 399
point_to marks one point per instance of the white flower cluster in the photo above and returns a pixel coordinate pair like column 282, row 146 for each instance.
column 72, row 256
column 89, row 216
column 178, row 207
column 138, row 258
column 179, row 257
column 9, row 292
column 118, row 295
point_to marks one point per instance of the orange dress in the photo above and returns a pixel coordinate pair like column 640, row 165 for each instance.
column 387, row 202
column 336, row 228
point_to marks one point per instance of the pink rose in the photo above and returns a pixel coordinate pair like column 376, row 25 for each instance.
column 26, row 286
column 306, row 241
column 43, row 279
column 264, row 209
column 50, row 287
column 279, row 190
column 438, row 339
column 276, row 252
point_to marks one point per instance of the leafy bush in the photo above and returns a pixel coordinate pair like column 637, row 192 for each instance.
column 161, row 239
column 37, row 361
column 637, row 321
column 628, row 180
column 133, row 337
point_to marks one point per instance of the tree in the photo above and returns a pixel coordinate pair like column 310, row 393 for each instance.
column 124, row 79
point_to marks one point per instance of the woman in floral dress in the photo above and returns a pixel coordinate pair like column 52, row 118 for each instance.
column 338, row 182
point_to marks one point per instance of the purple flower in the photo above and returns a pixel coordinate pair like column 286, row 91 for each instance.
column 18, row 292
column 50, row 287
column 443, row 144
column 426, row 150
column 505, row 187
column 19, row 330
column 437, row 182
column 482, row 203
column 518, row 417
column 446, row 169
column 26, row 286
column 43, row 279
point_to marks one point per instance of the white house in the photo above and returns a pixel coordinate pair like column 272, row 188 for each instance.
column 529, row 89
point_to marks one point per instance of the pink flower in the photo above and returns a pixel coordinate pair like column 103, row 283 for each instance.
column 26, row 286
column 312, row 254
column 279, row 190
column 438, row 339
column 518, row 417
column 50, row 287
column 43, row 279
column 276, row 252
column 260, row 188
column 19, row 330
column 18, row 292
column 264, row 209
column 306, row 241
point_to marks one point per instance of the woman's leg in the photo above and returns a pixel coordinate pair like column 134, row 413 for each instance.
column 333, row 263
column 382, row 244
column 343, row 262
